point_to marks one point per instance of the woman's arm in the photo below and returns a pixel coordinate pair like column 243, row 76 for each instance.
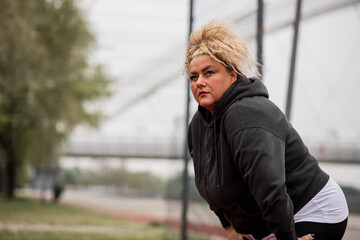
column 260, row 156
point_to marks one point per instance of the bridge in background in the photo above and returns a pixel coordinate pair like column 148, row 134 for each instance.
column 163, row 149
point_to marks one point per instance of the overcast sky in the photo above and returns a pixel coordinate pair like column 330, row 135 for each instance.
column 142, row 45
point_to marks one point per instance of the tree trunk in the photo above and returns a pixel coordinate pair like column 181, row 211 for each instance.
column 1, row 178
column 10, row 175
column 9, row 170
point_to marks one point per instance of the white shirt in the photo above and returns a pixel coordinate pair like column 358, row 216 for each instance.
column 327, row 206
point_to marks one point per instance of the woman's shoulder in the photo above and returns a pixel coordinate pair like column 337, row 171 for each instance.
column 254, row 112
column 252, row 108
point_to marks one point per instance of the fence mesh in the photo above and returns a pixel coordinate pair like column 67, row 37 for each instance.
column 132, row 164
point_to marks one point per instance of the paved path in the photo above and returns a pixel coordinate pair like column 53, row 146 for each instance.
column 201, row 219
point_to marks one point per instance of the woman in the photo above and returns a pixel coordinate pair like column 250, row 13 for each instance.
column 251, row 166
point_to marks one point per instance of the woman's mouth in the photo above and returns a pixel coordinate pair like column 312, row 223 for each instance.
column 202, row 93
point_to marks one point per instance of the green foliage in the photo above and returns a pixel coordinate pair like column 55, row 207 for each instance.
column 78, row 177
column 126, row 182
column 45, row 80
column 120, row 179
column 134, row 180
column 174, row 188
column 350, row 191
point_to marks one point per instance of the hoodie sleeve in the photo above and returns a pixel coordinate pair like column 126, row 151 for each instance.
column 260, row 156
column 224, row 222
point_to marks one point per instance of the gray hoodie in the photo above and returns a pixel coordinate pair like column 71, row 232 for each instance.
column 251, row 166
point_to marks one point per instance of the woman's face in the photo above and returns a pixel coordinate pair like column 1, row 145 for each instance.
column 209, row 79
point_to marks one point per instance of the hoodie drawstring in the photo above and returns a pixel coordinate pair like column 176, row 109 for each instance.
column 199, row 155
column 218, row 163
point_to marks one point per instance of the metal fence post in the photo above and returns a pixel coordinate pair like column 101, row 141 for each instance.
column 186, row 153
column 259, row 35
column 293, row 60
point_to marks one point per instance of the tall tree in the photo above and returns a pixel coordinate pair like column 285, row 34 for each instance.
column 45, row 82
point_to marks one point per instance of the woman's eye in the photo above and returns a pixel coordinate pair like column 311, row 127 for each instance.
column 193, row 78
column 209, row 72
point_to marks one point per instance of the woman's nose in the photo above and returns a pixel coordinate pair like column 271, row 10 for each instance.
column 200, row 81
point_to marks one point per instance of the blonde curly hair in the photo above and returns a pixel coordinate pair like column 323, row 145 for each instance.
column 221, row 41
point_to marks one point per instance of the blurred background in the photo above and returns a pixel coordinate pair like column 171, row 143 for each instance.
column 93, row 106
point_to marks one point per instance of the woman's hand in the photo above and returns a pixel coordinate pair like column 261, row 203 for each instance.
column 307, row 237
column 231, row 234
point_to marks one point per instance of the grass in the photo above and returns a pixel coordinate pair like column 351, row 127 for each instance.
column 42, row 235
column 27, row 219
column 24, row 210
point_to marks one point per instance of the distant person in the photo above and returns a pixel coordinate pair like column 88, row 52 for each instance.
column 251, row 165
column 58, row 185
column 58, row 189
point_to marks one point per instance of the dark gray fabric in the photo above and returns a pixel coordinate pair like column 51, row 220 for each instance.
column 251, row 165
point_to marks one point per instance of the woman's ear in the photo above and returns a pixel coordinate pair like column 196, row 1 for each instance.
column 233, row 75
